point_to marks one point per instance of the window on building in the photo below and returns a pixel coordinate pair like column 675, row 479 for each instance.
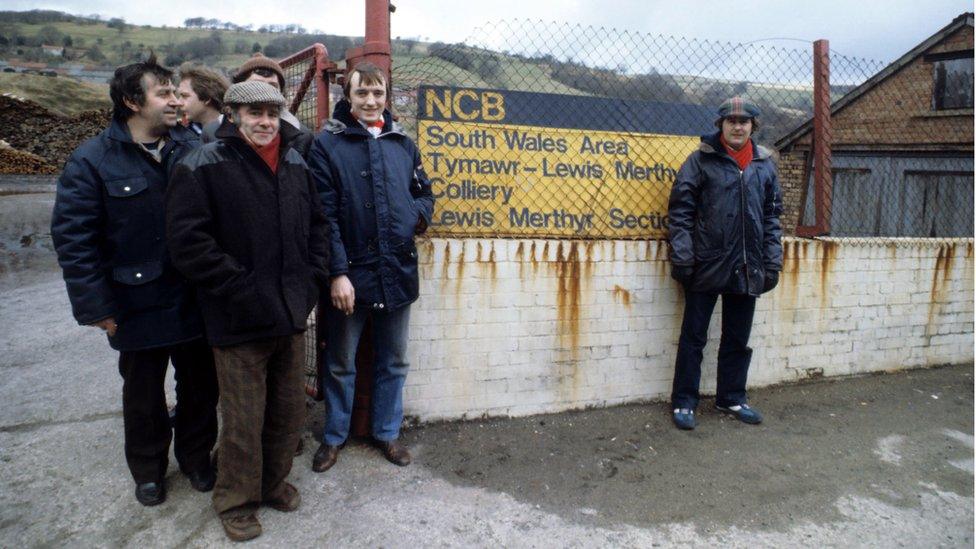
column 953, row 75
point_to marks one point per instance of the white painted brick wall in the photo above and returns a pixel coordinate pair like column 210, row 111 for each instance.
column 518, row 327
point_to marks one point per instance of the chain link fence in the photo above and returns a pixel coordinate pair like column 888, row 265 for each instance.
column 531, row 129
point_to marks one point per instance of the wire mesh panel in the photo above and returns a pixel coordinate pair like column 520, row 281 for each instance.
column 531, row 129
column 305, row 88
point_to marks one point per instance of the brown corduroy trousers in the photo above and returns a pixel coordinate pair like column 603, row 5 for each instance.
column 262, row 412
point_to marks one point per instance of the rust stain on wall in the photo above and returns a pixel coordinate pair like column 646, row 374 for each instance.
column 829, row 251
column 568, row 273
column 460, row 273
column 621, row 295
column 937, row 291
column 427, row 252
column 661, row 251
column 447, row 263
column 588, row 260
column 486, row 260
column 793, row 254
column 942, row 272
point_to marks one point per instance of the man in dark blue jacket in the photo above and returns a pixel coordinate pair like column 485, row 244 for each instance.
column 376, row 197
column 725, row 240
column 108, row 227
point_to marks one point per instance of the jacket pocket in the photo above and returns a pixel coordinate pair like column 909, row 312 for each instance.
column 124, row 188
column 248, row 312
column 137, row 285
column 706, row 256
column 132, row 214
column 406, row 255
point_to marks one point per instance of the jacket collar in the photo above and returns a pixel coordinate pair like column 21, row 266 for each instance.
column 119, row 131
column 343, row 121
column 711, row 144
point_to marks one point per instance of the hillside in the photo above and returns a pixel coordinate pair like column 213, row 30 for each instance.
column 112, row 43
column 60, row 95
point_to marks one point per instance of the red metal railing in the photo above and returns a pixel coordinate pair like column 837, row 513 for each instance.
column 307, row 84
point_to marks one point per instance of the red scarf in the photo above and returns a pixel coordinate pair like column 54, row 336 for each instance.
column 742, row 156
column 269, row 152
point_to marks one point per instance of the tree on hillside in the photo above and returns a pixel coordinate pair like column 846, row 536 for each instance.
column 281, row 46
column 256, row 47
column 196, row 49
column 37, row 17
column 452, row 53
column 489, row 68
column 116, row 23
column 49, row 34
column 9, row 34
column 95, row 54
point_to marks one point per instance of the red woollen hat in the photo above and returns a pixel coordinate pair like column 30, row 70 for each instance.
column 259, row 61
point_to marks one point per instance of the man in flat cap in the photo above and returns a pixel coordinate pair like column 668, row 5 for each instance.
column 245, row 225
column 725, row 240
column 263, row 69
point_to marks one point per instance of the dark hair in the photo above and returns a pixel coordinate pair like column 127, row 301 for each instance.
column 209, row 85
column 369, row 75
column 243, row 76
column 126, row 83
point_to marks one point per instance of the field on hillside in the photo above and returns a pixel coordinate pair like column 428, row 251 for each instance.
column 61, row 95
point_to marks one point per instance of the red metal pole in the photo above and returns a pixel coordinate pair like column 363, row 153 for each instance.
column 822, row 135
column 322, row 68
column 376, row 48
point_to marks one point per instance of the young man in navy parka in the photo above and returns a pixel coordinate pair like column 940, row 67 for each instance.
column 376, row 198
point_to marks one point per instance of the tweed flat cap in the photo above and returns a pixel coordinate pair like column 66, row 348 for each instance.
column 737, row 106
column 253, row 92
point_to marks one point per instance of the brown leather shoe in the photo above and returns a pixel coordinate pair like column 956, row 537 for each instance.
column 325, row 457
column 241, row 528
column 395, row 452
column 289, row 500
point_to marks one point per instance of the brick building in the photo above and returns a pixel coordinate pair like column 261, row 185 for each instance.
column 902, row 147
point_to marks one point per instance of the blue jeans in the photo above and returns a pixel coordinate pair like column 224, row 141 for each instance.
column 734, row 353
column 342, row 335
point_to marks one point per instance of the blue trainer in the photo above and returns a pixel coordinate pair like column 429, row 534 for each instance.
column 743, row 413
column 684, row 418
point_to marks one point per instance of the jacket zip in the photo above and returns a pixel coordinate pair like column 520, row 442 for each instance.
column 742, row 216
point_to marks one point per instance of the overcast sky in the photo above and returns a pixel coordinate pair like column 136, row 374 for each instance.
column 880, row 30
